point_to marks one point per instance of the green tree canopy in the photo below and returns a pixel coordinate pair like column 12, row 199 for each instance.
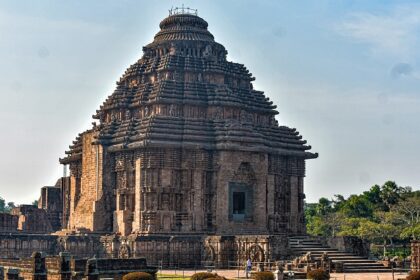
column 382, row 214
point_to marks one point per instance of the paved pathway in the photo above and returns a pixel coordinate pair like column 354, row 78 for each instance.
column 233, row 274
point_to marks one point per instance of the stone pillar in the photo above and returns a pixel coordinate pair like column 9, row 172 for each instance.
column 12, row 274
column 415, row 255
column 64, row 270
column 270, row 197
column 91, row 272
column 294, row 203
column 38, row 266
column 197, row 211
column 137, row 203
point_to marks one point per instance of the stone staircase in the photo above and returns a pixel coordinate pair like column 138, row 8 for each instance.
column 300, row 245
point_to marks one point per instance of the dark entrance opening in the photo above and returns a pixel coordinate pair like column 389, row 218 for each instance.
column 238, row 206
column 240, row 202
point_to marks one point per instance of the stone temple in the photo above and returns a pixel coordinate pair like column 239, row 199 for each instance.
column 186, row 161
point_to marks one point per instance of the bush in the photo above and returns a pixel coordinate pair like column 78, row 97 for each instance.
column 413, row 276
column 138, row 276
column 263, row 275
column 318, row 274
column 203, row 275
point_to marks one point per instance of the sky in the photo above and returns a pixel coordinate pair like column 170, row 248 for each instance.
column 346, row 74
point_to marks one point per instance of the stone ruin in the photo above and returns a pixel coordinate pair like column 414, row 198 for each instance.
column 185, row 164
column 66, row 267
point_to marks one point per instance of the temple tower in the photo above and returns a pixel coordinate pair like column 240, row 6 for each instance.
column 186, row 145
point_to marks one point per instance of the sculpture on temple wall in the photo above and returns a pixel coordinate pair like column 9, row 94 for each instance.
column 207, row 51
column 209, row 255
column 124, row 252
column 172, row 110
column 256, row 254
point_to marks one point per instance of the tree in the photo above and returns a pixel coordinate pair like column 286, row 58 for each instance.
column 334, row 222
column 378, row 232
column 374, row 196
column 316, row 226
column 357, row 206
column 408, row 212
column 324, row 206
column 351, row 226
column 391, row 194
column 338, row 201
column 35, row 203
column 2, row 205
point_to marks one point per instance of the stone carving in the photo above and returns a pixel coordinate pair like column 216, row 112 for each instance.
column 171, row 110
column 256, row 253
column 245, row 174
column 172, row 50
column 207, row 51
column 219, row 113
column 124, row 252
column 127, row 114
column 209, row 254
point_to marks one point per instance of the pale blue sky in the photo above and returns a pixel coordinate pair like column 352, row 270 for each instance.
column 346, row 74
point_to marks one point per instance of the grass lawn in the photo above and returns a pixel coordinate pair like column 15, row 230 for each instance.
column 171, row 277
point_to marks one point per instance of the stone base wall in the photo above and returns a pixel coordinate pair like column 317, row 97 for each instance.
column 65, row 267
column 181, row 250
column 23, row 245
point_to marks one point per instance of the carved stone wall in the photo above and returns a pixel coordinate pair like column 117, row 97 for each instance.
column 8, row 223
column 415, row 255
column 66, row 267
column 32, row 219
column 51, row 200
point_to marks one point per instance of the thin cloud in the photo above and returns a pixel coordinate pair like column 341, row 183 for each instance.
column 394, row 33
column 401, row 69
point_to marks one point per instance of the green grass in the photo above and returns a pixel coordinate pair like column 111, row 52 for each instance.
column 171, row 277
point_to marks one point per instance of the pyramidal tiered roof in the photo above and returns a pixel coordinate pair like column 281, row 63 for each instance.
column 184, row 93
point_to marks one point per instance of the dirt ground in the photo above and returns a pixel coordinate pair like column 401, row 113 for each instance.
column 235, row 274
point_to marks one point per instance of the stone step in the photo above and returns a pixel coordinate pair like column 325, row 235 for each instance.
column 303, row 241
column 315, row 250
column 348, row 258
column 367, row 270
column 351, row 261
column 365, row 265
column 311, row 248
column 306, row 245
column 335, row 253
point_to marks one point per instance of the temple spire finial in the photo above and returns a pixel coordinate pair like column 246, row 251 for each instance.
column 183, row 11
